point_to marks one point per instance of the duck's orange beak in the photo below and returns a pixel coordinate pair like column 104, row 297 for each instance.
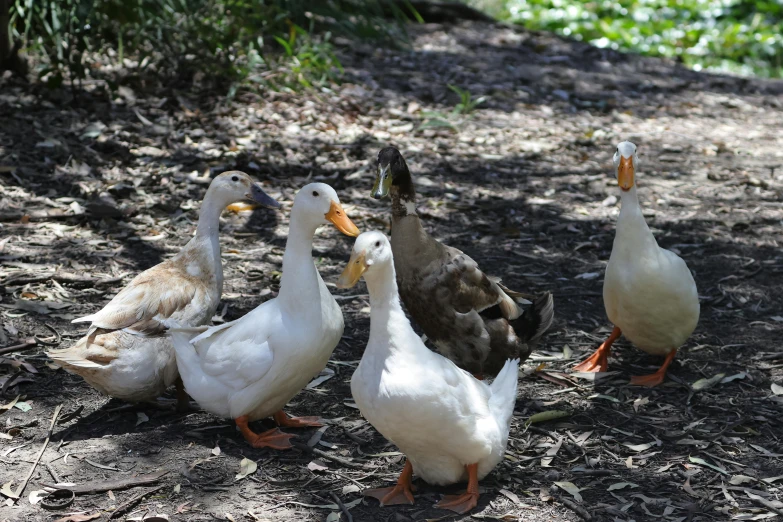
column 341, row 220
column 356, row 266
column 625, row 173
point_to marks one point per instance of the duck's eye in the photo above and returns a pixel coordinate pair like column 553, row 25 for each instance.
column 234, row 178
column 377, row 244
column 315, row 193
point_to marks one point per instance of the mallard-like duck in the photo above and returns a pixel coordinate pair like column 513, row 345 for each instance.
column 470, row 317
column 125, row 353
column 451, row 426
column 250, row 368
column 649, row 293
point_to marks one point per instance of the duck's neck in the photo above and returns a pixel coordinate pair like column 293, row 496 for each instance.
column 387, row 319
column 205, row 244
column 402, row 194
column 632, row 230
column 300, row 281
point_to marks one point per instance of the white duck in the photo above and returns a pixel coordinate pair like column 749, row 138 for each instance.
column 125, row 353
column 451, row 426
column 250, row 368
column 649, row 293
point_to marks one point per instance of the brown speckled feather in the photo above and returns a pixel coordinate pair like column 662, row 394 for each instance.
column 468, row 315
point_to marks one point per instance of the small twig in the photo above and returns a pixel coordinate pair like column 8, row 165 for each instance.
column 9, row 381
column 344, row 462
column 342, row 507
column 50, row 343
column 23, row 485
column 27, row 343
column 90, row 488
column 60, row 277
column 125, row 506
column 53, row 473
column 764, row 502
column 579, row 510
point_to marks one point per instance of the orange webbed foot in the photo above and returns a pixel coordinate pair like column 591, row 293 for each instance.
column 273, row 438
column 654, row 379
column 465, row 502
column 282, row 419
column 401, row 493
column 391, row 496
column 599, row 361
column 459, row 503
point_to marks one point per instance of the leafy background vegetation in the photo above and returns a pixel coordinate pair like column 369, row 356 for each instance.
column 738, row 36
column 283, row 44
column 288, row 44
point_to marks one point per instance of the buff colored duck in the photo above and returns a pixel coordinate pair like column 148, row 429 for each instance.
column 125, row 353
column 451, row 426
column 649, row 293
column 250, row 368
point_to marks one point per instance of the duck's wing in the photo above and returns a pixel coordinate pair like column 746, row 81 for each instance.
column 151, row 302
column 468, row 288
column 238, row 353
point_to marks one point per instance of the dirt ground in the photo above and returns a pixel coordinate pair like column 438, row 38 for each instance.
column 101, row 186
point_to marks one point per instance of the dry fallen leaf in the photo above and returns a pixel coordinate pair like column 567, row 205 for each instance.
column 79, row 517
column 622, row 485
column 246, row 467
column 570, row 488
column 546, row 416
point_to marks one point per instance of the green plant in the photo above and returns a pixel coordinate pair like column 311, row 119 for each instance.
column 744, row 36
column 241, row 41
column 452, row 120
column 467, row 104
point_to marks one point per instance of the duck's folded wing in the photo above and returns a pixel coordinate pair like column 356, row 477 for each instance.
column 148, row 302
column 467, row 288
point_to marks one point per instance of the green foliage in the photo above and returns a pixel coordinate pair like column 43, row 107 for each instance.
column 460, row 112
column 241, row 41
column 736, row 35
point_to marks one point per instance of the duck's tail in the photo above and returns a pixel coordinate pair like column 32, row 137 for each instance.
column 536, row 320
column 504, row 392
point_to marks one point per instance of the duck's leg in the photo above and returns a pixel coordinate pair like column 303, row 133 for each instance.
column 654, row 379
column 183, row 399
column 273, row 438
column 598, row 362
column 402, row 493
column 468, row 500
column 282, row 419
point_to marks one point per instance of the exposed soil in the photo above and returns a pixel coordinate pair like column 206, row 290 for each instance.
column 522, row 184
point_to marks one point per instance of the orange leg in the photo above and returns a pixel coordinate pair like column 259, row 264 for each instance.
column 273, row 438
column 598, row 361
column 654, row 379
column 479, row 376
column 468, row 500
column 282, row 419
column 402, row 493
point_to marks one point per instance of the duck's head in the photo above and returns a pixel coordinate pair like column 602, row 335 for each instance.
column 235, row 186
column 370, row 251
column 391, row 170
column 318, row 204
column 625, row 161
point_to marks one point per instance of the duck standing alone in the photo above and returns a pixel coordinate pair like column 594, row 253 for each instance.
column 470, row 317
column 250, row 368
column 649, row 293
column 451, row 426
column 125, row 353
